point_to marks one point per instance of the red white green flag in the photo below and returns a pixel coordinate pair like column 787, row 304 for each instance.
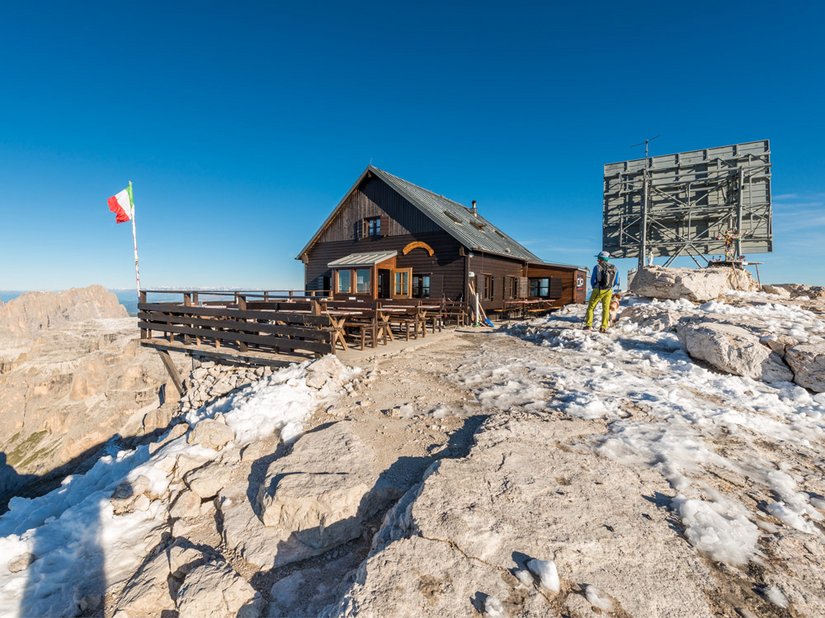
column 123, row 205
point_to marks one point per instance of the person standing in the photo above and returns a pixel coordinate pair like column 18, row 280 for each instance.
column 602, row 280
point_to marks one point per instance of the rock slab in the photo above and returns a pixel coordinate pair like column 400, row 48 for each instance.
column 808, row 364
column 696, row 285
column 733, row 350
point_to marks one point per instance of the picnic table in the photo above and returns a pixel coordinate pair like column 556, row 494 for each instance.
column 338, row 319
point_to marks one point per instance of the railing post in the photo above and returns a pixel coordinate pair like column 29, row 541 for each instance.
column 144, row 333
column 187, row 302
column 316, row 307
column 241, row 300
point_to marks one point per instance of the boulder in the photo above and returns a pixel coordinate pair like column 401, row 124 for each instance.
column 215, row 589
column 319, row 495
column 808, row 364
column 650, row 316
column 695, row 285
column 186, row 505
column 208, row 480
column 776, row 291
column 211, row 434
column 147, row 592
column 732, row 349
column 779, row 343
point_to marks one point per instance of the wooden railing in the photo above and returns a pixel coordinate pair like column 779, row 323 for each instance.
column 292, row 327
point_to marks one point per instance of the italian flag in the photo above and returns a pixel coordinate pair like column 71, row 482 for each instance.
column 123, row 205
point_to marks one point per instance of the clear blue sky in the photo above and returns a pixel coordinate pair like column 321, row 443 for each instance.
column 242, row 124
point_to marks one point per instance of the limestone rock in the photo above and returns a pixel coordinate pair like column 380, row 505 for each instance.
column 733, row 350
column 211, row 434
column 319, row 495
column 72, row 362
column 173, row 434
column 695, row 285
column 208, row 480
column 38, row 311
column 20, row 562
column 157, row 419
column 779, row 343
column 460, row 536
column 650, row 316
column 187, row 504
column 808, row 364
column 215, row 589
column 147, row 592
column 776, row 290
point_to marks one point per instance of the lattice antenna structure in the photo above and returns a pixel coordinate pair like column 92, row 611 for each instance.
column 695, row 203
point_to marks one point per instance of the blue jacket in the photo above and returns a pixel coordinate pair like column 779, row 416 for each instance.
column 594, row 278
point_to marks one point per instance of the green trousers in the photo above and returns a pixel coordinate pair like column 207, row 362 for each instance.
column 599, row 296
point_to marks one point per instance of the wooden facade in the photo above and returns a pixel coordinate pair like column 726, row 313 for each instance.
column 374, row 217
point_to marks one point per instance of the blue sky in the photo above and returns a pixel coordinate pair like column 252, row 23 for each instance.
column 242, row 124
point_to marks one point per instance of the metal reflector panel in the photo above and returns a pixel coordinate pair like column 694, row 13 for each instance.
column 697, row 202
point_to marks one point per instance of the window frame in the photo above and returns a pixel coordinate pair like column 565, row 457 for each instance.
column 487, row 286
column 414, row 287
column 338, row 272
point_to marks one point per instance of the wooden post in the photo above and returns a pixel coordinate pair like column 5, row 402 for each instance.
column 172, row 371
column 144, row 333
column 187, row 302
column 316, row 307
column 241, row 299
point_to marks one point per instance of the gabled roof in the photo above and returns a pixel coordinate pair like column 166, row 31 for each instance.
column 472, row 231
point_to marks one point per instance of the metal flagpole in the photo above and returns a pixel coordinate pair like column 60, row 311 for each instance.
column 134, row 238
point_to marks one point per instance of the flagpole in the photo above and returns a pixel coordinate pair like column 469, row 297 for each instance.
column 134, row 240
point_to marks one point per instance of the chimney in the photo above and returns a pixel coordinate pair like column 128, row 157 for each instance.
column 475, row 210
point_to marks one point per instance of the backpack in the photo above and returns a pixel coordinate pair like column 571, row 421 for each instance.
column 607, row 276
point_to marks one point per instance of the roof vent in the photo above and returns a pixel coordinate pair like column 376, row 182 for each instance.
column 452, row 216
column 475, row 209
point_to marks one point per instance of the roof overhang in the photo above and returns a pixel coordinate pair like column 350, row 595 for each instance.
column 356, row 260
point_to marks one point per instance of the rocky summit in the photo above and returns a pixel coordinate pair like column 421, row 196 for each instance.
column 73, row 380
column 670, row 467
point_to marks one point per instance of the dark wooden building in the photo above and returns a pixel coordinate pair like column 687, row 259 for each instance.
column 389, row 238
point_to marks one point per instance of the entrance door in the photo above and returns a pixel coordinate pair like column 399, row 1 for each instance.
column 384, row 283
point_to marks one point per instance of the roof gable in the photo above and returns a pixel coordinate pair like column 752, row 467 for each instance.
column 471, row 230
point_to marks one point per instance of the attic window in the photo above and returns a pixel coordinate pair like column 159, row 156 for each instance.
column 452, row 216
column 477, row 224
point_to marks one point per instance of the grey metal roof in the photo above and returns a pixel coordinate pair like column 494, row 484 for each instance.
column 473, row 231
column 367, row 258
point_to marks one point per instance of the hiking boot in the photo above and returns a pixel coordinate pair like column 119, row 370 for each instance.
column 602, row 330
column 587, row 328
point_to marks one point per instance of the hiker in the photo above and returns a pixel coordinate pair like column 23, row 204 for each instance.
column 604, row 277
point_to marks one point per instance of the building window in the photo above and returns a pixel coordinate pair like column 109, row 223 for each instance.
column 511, row 287
column 421, row 286
column 545, row 287
column 402, row 283
column 540, row 287
column 344, row 281
column 363, row 281
column 487, row 289
column 373, row 227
